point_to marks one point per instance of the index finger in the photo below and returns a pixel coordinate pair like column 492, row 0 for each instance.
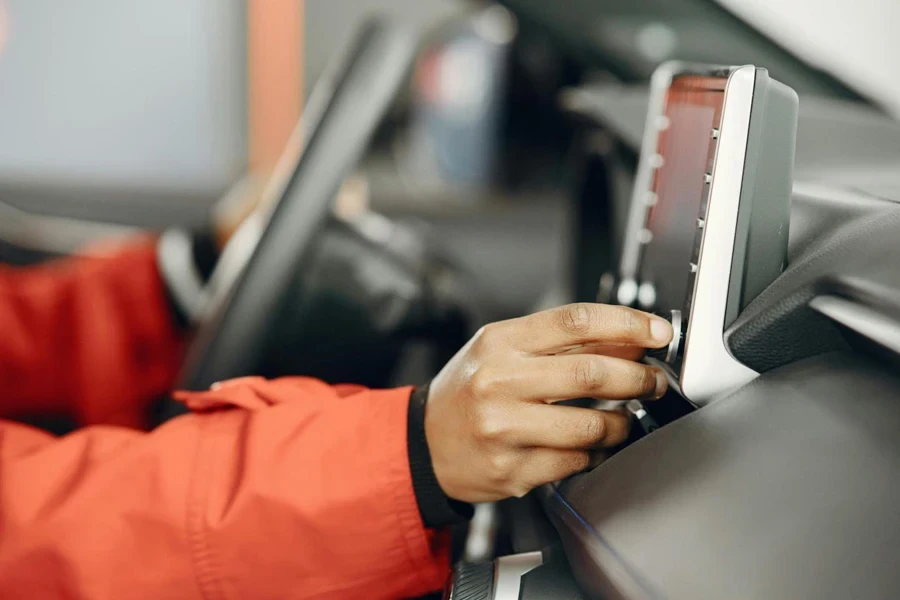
column 575, row 325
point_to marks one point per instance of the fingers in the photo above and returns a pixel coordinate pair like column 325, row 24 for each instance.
column 563, row 328
column 569, row 428
column 550, row 443
column 626, row 352
column 553, row 378
column 543, row 466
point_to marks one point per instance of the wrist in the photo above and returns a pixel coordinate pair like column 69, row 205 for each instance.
column 435, row 506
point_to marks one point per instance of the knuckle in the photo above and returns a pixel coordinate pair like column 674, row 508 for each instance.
column 632, row 322
column 618, row 433
column 491, row 427
column 500, row 469
column 478, row 343
column 519, row 490
column 594, row 428
column 646, row 380
column 576, row 319
column 588, row 373
column 580, row 462
column 483, row 383
column 487, row 336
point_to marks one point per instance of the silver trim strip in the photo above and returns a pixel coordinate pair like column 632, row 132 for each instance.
column 508, row 571
column 864, row 320
column 708, row 369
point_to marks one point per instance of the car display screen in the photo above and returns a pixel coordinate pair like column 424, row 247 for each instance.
column 686, row 148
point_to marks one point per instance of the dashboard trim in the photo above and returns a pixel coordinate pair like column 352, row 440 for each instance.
column 642, row 197
column 708, row 368
column 864, row 320
column 508, row 573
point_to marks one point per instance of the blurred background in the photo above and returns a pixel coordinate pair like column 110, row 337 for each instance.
column 132, row 115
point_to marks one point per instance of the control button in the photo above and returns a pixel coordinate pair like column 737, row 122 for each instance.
column 693, row 267
column 656, row 160
column 670, row 352
column 689, row 300
column 662, row 122
column 645, row 236
column 715, row 133
column 646, row 296
column 650, row 199
column 695, row 250
column 627, row 292
column 701, row 223
column 707, row 178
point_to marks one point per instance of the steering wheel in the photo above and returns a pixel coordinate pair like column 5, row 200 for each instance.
column 247, row 290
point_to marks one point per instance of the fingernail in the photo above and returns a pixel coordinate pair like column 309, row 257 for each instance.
column 661, row 331
column 661, row 384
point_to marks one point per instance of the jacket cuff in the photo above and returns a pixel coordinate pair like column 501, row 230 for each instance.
column 437, row 509
column 186, row 261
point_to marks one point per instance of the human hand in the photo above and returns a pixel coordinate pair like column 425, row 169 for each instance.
column 245, row 198
column 250, row 196
column 492, row 427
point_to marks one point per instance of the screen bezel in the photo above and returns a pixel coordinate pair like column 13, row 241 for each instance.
column 660, row 83
column 706, row 368
column 671, row 230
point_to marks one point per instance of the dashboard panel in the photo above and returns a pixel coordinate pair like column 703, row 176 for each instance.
column 781, row 488
column 784, row 489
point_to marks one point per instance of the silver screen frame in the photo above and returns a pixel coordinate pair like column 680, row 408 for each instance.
column 707, row 367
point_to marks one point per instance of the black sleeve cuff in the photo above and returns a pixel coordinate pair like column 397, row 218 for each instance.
column 436, row 508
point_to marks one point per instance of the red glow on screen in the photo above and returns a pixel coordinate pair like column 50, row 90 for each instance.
column 693, row 109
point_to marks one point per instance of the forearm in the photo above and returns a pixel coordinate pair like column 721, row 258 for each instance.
column 88, row 337
column 277, row 487
column 98, row 336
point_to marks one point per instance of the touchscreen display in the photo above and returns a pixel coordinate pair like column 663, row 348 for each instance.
column 693, row 109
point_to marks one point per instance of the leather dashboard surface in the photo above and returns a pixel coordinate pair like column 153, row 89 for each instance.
column 832, row 238
column 787, row 488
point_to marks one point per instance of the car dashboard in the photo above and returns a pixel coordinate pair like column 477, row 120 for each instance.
column 786, row 486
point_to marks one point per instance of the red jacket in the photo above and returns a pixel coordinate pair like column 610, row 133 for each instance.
column 269, row 489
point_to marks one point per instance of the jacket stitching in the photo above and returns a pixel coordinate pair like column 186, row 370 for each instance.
column 201, row 553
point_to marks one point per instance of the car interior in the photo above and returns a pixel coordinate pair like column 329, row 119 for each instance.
column 529, row 173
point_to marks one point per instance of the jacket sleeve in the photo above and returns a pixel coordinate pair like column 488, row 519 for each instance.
column 268, row 489
column 91, row 338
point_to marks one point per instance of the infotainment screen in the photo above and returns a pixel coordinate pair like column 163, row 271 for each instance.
column 710, row 213
column 679, row 188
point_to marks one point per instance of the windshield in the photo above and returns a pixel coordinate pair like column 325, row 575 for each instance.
column 630, row 39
